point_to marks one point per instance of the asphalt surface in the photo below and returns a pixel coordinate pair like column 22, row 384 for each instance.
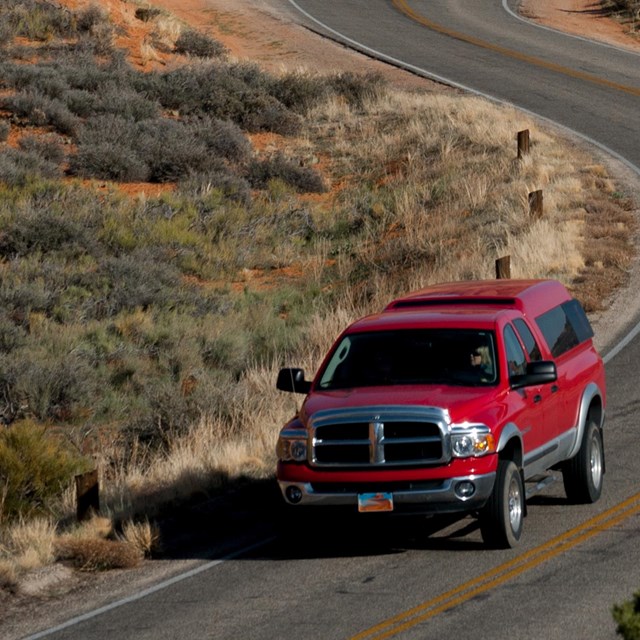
column 427, row 579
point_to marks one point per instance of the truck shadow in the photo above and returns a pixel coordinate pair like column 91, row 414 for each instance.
column 251, row 515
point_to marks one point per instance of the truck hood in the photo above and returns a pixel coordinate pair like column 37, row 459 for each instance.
column 462, row 403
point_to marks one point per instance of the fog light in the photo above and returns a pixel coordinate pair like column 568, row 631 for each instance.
column 465, row 489
column 294, row 494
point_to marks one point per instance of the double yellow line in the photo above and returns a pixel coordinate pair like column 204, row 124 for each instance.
column 403, row 7
column 504, row 572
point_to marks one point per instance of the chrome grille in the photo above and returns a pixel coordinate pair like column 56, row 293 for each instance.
column 380, row 436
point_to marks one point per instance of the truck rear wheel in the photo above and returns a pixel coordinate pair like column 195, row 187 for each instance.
column 583, row 475
column 501, row 519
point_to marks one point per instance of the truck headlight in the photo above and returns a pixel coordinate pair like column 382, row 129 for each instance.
column 292, row 449
column 472, row 442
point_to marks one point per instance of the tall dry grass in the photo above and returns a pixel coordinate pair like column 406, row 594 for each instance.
column 423, row 188
column 434, row 185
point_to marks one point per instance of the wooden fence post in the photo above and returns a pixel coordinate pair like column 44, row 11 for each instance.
column 503, row 268
column 523, row 143
column 87, row 495
column 535, row 204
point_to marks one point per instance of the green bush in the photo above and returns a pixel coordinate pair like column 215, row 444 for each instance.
column 35, row 470
column 627, row 616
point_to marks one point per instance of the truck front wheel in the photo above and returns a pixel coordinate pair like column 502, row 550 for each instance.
column 501, row 519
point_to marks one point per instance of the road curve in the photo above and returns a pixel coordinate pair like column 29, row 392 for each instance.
column 588, row 87
column 436, row 580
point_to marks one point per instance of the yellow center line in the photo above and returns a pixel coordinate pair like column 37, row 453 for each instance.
column 504, row 572
column 403, row 7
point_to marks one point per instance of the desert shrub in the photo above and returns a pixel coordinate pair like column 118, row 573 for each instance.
column 87, row 19
column 19, row 167
column 630, row 7
column 107, row 150
column 49, row 147
column 193, row 43
column 12, row 336
column 222, row 138
column 265, row 113
column 146, row 14
column 81, row 102
column 19, row 300
column 126, row 103
column 110, row 99
column 5, row 128
column 212, row 187
column 39, row 110
column 37, row 230
column 44, row 79
column 171, row 149
column 141, row 279
column 159, row 150
column 357, row 89
column 109, row 161
column 627, row 617
column 229, row 352
column 37, row 20
column 35, row 469
column 305, row 180
column 224, row 92
column 300, row 92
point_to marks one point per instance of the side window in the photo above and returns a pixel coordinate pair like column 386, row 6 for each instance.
column 516, row 359
column 528, row 340
column 564, row 327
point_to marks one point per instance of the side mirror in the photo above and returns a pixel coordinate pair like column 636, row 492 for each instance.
column 292, row 379
column 539, row 372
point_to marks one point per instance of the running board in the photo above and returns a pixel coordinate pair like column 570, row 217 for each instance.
column 538, row 483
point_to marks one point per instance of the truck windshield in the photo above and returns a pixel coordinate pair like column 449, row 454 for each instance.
column 460, row 357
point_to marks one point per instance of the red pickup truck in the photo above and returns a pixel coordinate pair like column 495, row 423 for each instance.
column 450, row 400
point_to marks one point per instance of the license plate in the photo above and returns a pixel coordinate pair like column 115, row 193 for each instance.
column 375, row 502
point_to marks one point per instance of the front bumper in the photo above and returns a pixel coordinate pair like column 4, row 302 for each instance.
column 434, row 496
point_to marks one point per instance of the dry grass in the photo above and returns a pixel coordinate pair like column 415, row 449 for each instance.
column 433, row 188
column 144, row 536
column 24, row 546
column 97, row 554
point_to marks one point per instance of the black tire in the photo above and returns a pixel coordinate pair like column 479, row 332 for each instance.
column 583, row 475
column 502, row 518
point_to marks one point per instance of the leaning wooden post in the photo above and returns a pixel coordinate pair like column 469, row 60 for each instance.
column 535, row 204
column 523, row 143
column 503, row 268
column 87, row 495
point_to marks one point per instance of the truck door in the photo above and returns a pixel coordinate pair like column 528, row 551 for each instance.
column 527, row 401
column 551, row 397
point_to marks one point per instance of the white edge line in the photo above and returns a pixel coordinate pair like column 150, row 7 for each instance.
column 427, row 74
column 147, row 592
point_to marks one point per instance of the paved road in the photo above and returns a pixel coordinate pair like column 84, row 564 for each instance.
column 427, row 580
column 591, row 88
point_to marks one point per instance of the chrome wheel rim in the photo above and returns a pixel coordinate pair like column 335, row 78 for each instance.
column 514, row 501
column 596, row 462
